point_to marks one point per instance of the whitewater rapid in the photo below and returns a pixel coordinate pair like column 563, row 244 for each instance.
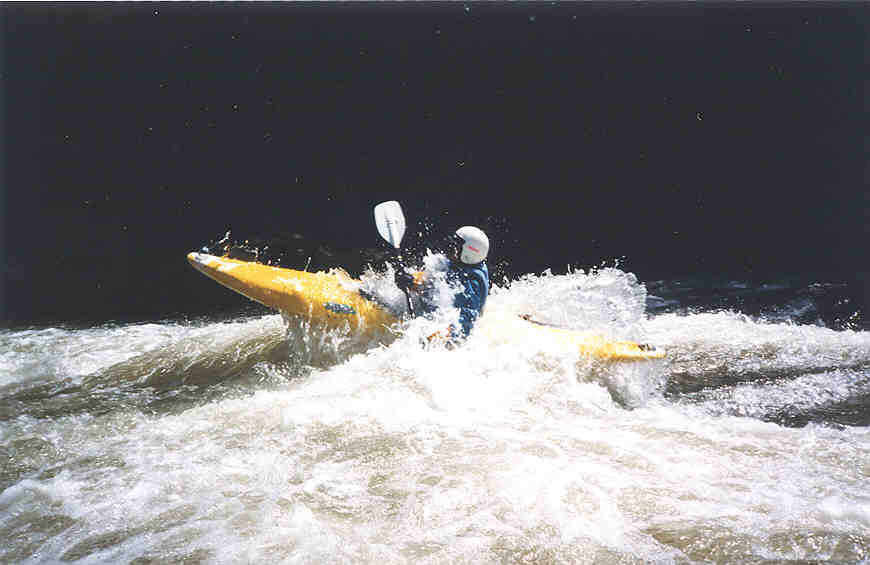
column 225, row 441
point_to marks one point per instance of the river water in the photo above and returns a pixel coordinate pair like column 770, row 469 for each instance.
column 254, row 439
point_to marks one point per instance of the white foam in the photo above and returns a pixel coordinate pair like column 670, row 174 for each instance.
column 500, row 450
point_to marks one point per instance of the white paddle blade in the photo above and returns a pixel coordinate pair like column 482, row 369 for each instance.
column 390, row 221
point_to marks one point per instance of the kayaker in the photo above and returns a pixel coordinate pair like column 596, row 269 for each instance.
column 465, row 271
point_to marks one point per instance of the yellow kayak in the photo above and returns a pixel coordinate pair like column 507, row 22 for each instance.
column 330, row 299
column 333, row 300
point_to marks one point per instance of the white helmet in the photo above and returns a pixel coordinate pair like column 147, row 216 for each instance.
column 475, row 245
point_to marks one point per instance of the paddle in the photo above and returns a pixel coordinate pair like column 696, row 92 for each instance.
column 391, row 225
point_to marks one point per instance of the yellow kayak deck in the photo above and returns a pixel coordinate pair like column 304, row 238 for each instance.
column 592, row 345
column 513, row 327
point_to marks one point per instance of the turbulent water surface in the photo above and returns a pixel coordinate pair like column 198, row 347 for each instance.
column 257, row 440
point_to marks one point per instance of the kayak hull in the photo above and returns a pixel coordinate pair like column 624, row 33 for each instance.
column 331, row 300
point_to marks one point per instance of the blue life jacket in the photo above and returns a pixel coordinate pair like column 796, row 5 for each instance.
column 473, row 281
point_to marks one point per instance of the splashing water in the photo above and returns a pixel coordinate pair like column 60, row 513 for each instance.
column 259, row 440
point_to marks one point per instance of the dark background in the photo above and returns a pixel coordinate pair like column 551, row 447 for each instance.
column 678, row 138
